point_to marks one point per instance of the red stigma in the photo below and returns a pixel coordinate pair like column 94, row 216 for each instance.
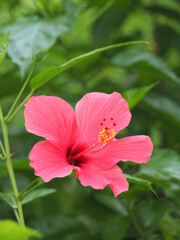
column 101, row 124
column 114, row 124
column 111, row 118
column 104, row 119
column 106, row 128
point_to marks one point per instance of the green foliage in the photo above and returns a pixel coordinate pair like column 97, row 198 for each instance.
column 115, row 228
column 133, row 96
column 168, row 108
column 37, row 193
column 33, row 34
column 140, row 181
column 9, row 227
column 165, row 162
column 112, row 203
column 59, row 225
column 3, row 47
column 21, row 164
column 9, row 199
column 52, row 72
column 145, row 62
column 68, row 42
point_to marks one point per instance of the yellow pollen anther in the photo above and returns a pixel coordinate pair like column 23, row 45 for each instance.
column 106, row 135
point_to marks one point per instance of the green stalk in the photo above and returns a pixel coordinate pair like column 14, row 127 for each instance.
column 29, row 186
column 30, row 190
column 17, row 216
column 2, row 149
column 10, row 167
column 20, row 93
column 8, row 119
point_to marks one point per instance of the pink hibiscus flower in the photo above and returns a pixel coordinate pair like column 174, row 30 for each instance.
column 84, row 139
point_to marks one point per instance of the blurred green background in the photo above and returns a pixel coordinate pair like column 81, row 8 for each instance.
column 146, row 75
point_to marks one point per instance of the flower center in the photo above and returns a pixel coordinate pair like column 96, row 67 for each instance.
column 76, row 156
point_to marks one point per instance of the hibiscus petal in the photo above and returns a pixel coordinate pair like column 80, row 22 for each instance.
column 49, row 161
column 136, row 149
column 52, row 118
column 100, row 179
column 96, row 111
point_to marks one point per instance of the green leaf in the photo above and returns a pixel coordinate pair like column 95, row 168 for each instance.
column 51, row 72
column 164, row 161
column 166, row 11
column 10, row 230
column 167, row 109
column 146, row 62
column 9, row 78
column 8, row 198
column 115, row 228
column 112, row 203
column 3, row 46
column 37, row 194
column 155, row 210
column 140, row 181
column 31, row 34
column 133, row 96
column 133, row 24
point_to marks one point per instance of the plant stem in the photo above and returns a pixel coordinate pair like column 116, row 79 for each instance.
column 31, row 184
column 20, row 93
column 30, row 190
column 10, row 168
column 8, row 119
column 2, row 149
column 102, row 10
column 17, row 216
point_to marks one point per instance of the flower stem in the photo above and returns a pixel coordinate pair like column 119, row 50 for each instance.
column 17, row 216
column 29, row 186
column 20, row 93
column 30, row 190
column 8, row 119
column 2, row 149
column 10, row 168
